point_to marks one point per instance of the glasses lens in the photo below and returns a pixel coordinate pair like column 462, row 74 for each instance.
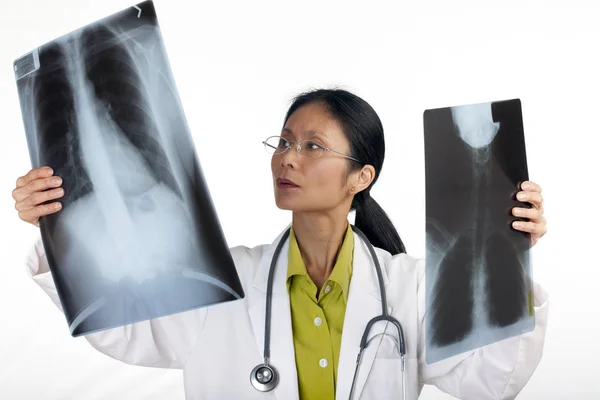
column 276, row 145
column 310, row 149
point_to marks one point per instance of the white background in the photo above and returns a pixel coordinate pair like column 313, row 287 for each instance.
column 237, row 65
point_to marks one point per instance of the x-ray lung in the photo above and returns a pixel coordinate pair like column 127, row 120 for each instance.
column 478, row 269
column 138, row 236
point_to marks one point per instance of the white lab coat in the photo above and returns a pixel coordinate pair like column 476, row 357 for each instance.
column 218, row 346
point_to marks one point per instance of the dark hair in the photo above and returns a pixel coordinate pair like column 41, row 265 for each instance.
column 363, row 129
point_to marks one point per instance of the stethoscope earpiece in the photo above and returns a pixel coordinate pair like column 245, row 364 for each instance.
column 264, row 378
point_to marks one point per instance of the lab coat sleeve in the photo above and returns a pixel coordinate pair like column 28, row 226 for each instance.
column 164, row 342
column 496, row 371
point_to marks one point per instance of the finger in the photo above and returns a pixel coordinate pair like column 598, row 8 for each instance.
column 38, row 198
column 538, row 229
column 34, row 174
column 535, row 198
column 35, row 186
column 531, row 186
column 533, row 214
column 35, row 213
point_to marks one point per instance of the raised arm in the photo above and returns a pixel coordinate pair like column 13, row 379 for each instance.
column 162, row 342
column 496, row 371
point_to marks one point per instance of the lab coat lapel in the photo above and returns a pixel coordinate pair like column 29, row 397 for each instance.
column 282, row 346
column 364, row 303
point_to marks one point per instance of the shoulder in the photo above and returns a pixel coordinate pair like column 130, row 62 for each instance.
column 401, row 264
column 247, row 254
column 243, row 255
column 247, row 260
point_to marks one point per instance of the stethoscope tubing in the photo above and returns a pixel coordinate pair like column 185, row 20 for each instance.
column 272, row 377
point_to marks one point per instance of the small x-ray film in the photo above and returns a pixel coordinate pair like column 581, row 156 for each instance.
column 138, row 236
column 478, row 267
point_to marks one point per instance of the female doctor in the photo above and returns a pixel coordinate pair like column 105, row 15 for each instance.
column 325, row 286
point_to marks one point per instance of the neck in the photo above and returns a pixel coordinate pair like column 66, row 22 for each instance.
column 319, row 238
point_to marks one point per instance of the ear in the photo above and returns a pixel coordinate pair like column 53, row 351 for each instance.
column 362, row 179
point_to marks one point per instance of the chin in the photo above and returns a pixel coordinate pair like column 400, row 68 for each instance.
column 296, row 206
column 285, row 204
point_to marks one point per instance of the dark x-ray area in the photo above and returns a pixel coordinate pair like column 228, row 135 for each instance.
column 478, row 267
column 138, row 236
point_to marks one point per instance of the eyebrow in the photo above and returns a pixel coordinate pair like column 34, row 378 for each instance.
column 308, row 132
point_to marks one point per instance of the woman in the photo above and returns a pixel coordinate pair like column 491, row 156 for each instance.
column 325, row 289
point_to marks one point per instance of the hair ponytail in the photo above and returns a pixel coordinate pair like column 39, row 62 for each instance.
column 375, row 224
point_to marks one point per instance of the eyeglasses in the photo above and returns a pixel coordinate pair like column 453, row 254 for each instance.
column 277, row 145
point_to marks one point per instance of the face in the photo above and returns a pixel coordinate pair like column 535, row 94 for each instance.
column 322, row 183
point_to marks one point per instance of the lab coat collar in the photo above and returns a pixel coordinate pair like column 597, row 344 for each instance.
column 283, row 356
column 364, row 303
column 367, row 277
column 262, row 273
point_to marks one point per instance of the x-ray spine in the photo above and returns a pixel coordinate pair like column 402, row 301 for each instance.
column 138, row 236
column 478, row 270
column 56, row 121
column 119, row 88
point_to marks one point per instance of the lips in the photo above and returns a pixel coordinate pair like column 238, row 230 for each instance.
column 285, row 183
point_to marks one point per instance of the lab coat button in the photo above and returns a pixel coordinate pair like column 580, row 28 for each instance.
column 318, row 321
column 327, row 288
column 323, row 362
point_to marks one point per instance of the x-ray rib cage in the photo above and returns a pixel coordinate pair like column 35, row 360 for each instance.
column 478, row 269
column 138, row 236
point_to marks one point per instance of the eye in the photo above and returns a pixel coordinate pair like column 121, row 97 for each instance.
column 283, row 143
column 312, row 146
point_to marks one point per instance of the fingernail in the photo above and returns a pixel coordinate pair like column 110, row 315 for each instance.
column 526, row 186
column 57, row 206
column 57, row 181
column 516, row 224
column 49, row 171
column 521, row 196
column 60, row 192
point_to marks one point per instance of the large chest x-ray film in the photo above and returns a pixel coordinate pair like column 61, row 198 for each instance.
column 138, row 236
column 478, row 269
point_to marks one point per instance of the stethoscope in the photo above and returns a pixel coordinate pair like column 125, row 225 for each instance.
column 264, row 377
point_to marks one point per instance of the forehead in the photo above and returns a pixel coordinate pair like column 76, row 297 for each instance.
column 312, row 120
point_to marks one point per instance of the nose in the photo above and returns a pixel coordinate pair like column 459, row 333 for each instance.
column 290, row 157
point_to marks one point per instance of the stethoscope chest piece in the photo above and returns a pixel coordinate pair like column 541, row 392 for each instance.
column 264, row 378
